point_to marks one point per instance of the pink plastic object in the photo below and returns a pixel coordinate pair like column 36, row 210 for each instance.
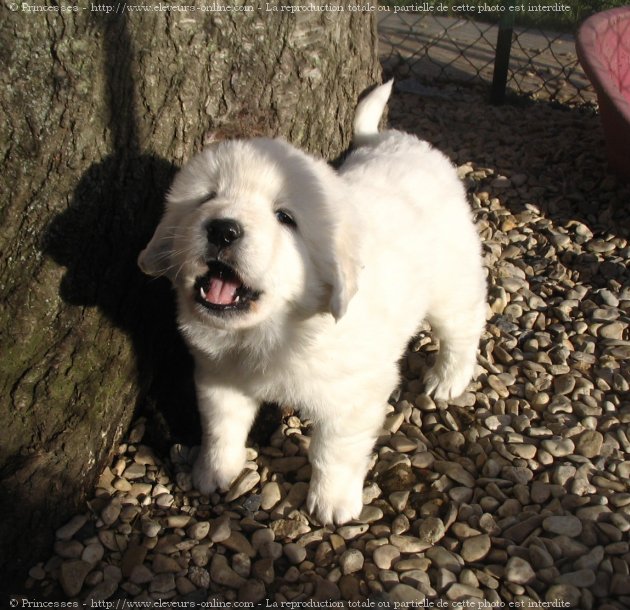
column 603, row 48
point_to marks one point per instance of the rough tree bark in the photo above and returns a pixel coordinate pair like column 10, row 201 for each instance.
column 98, row 111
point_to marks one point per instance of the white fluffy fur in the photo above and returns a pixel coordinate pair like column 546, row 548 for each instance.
column 380, row 245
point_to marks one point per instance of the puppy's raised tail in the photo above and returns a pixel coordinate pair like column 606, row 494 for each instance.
column 368, row 114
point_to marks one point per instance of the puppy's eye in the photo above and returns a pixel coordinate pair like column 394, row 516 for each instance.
column 285, row 218
column 209, row 197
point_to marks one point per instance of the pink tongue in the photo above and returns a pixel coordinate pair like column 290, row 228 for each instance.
column 221, row 291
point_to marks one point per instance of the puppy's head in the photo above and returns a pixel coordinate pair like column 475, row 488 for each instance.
column 254, row 229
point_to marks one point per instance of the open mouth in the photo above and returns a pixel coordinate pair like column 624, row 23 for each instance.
column 222, row 290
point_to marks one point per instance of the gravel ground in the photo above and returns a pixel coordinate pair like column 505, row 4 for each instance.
column 516, row 493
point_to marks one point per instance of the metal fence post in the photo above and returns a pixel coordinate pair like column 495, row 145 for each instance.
column 502, row 53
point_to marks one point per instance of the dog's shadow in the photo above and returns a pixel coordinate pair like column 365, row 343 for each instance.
column 111, row 217
column 114, row 209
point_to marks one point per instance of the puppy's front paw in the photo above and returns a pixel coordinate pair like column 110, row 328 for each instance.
column 214, row 470
column 335, row 499
column 446, row 385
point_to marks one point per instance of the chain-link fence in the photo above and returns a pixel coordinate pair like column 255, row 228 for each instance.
column 428, row 47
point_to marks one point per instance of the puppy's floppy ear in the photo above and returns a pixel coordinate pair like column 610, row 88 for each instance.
column 191, row 184
column 346, row 266
column 155, row 259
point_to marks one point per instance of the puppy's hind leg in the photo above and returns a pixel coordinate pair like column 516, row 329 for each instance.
column 226, row 417
column 459, row 335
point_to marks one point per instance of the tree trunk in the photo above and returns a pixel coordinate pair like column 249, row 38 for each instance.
column 99, row 109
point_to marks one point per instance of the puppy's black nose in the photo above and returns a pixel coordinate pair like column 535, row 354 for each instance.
column 222, row 232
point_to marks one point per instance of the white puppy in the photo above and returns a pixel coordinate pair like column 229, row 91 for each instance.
column 301, row 285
